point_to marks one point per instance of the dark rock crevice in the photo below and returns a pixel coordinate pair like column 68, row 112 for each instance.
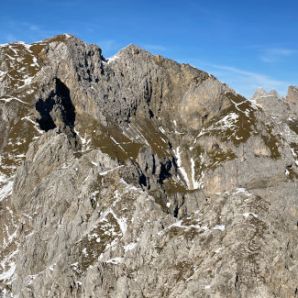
column 165, row 171
column 44, row 108
column 57, row 110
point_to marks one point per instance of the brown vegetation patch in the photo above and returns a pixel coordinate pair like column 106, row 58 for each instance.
column 271, row 141
column 242, row 127
column 110, row 139
column 93, row 244
column 293, row 125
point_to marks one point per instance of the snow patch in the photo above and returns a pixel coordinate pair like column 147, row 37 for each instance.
column 176, row 131
column 28, row 81
column 117, row 143
column 103, row 173
column 162, row 130
column 36, row 126
column 179, row 224
column 121, row 222
column 113, row 58
column 130, row 246
column 9, row 99
column 180, row 168
column 67, row 35
column 191, row 183
column 196, row 184
column 85, row 142
column 248, row 214
column 6, row 275
column 8, row 266
column 293, row 153
column 35, row 62
column 201, row 133
column 51, row 268
column 218, row 250
column 5, row 188
column 242, row 190
column 84, row 252
column 228, row 121
column 115, row 261
column 27, row 46
column 219, row 227
column 2, row 73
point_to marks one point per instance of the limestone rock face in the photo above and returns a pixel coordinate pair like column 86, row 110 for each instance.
column 137, row 176
column 271, row 103
column 292, row 98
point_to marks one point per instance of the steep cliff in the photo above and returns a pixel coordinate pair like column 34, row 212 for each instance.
column 137, row 176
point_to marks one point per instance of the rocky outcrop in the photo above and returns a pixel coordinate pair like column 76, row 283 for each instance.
column 292, row 98
column 137, row 176
column 273, row 104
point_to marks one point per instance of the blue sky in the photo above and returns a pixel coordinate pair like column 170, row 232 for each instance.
column 247, row 44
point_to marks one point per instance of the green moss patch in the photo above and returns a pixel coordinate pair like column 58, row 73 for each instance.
column 20, row 135
column 293, row 125
column 235, row 124
column 271, row 141
column 183, row 270
column 57, row 38
column 292, row 174
column 21, row 63
column 110, row 140
column 210, row 159
column 294, row 147
column 93, row 244
column 219, row 156
column 172, row 187
column 156, row 139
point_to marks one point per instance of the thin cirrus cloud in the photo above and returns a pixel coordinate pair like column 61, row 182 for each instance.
column 246, row 82
column 110, row 47
column 108, row 44
column 154, row 47
column 276, row 54
column 23, row 31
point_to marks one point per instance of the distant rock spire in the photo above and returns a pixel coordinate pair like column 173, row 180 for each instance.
column 262, row 93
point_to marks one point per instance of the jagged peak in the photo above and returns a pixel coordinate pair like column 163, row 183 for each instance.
column 57, row 38
column 262, row 93
column 292, row 96
column 14, row 43
column 133, row 49
column 61, row 37
column 143, row 141
column 293, row 88
column 130, row 50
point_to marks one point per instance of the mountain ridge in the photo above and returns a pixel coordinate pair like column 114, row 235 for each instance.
column 141, row 177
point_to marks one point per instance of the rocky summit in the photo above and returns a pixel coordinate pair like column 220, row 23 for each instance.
column 136, row 176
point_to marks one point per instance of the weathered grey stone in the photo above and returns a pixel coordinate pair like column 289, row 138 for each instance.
column 141, row 177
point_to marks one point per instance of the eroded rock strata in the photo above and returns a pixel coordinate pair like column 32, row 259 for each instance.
column 137, row 176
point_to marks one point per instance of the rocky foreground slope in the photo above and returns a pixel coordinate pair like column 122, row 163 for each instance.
column 140, row 177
